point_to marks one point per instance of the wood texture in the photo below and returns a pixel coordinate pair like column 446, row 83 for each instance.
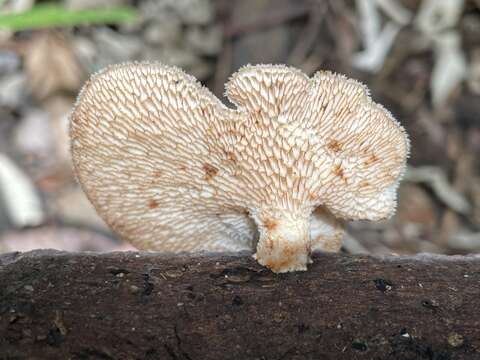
column 56, row 305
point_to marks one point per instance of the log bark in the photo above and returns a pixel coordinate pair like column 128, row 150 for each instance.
column 57, row 305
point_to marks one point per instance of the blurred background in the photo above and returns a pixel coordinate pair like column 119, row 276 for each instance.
column 420, row 58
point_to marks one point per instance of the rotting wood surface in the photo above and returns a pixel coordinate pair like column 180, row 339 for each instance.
column 57, row 305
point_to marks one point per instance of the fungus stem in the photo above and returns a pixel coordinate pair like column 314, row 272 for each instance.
column 284, row 243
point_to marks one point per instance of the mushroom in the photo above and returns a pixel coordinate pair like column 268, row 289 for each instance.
column 170, row 168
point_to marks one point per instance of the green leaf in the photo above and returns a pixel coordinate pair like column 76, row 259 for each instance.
column 49, row 15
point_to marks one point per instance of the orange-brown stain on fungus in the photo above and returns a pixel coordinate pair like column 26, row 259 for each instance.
column 289, row 251
column 157, row 174
column 338, row 171
column 153, row 204
column 364, row 184
column 233, row 133
column 334, row 145
column 279, row 265
column 270, row 224
column 118, row 224
column 333, row 245
column 371, row 159
column 210, row 171
column 269, row 243
column 230, row 156
column 282, row 262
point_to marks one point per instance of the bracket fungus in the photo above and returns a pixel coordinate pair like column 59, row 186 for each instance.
column 171, row 168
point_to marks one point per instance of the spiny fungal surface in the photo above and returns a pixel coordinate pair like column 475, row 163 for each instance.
column 170, row 168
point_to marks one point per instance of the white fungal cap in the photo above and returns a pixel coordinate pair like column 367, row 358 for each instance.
column 170, row 168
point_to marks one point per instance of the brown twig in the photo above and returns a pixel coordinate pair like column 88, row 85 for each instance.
column 308, row 36
column 275, row 17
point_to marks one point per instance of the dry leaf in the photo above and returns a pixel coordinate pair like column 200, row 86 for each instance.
column 415, row 206
column 51, row 65
column 60, row 238
column 450, row 66
column 19, row 194
column 377, row 41
column 437, row 180
column 436, row 16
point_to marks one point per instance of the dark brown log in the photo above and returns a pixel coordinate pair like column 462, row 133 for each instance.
column 56, row 305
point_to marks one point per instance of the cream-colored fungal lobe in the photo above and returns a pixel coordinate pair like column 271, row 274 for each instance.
column 170, row 168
